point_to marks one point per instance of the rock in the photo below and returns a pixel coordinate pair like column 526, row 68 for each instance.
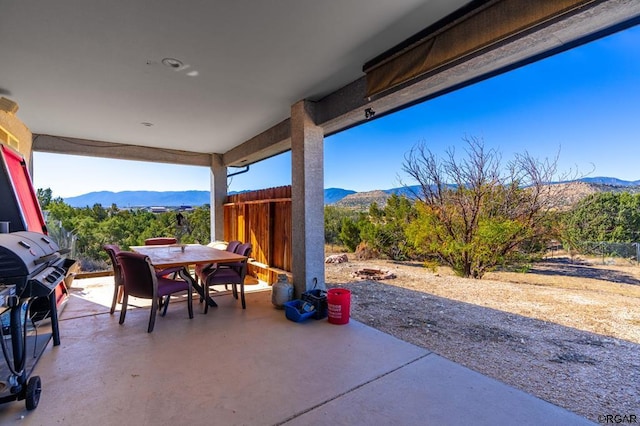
column 337, row 258
column 373, row 274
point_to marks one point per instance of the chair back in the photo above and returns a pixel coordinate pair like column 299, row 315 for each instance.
column 160, row 241
column 112, row 250
column 233, row 273
column 138, row 274
column 241, row 267
column 233, row 245
column 244, row 249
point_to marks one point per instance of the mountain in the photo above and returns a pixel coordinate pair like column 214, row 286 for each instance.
column 571, row 192
column 407, row 191
column 140, row 198
column 168, row 198
column 334, row 196
column 610, row 181
column 362, row 200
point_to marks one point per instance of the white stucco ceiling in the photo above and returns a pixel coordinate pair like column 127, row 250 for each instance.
column 93, row 69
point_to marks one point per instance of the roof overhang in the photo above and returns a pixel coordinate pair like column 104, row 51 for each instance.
column 478, row 41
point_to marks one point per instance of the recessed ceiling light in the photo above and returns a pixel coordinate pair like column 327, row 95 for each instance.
column 172, row 63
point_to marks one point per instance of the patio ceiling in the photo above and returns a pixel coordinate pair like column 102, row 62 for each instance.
column 88, row 72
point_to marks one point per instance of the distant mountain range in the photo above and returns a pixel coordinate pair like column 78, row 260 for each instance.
column 610, row 181
column 332, row 196
column 140, row 198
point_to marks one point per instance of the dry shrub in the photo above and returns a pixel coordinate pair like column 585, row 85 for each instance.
column 364, row 252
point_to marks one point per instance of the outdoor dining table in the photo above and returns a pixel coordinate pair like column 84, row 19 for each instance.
column 186, row 255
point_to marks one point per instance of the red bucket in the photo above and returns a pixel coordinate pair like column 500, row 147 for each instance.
column 339, row 305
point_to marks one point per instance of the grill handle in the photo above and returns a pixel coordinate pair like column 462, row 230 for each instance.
column 47, row 258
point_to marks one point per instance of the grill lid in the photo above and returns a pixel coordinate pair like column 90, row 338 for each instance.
column 25, row 253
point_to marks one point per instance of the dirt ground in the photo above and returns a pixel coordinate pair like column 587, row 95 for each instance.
column 565, row 330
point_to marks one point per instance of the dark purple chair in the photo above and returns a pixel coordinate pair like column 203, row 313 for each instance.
column 140, row 280
column 205, row 269
column 231, row 273
column 162, row 241
column 112, row 250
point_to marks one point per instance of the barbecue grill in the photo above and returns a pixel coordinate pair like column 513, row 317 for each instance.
column 31, row 266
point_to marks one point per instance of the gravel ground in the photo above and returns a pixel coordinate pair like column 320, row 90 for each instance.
column 565, row 331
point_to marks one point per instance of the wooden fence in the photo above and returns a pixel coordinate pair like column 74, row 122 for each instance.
column 262, row 218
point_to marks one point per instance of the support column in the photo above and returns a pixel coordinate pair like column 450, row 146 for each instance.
column 307, row 198
column 218, row 194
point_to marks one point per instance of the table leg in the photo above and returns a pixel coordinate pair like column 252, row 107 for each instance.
column 184, row 273
column 55, row 328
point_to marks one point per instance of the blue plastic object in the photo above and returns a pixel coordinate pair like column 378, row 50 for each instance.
column 298, row 310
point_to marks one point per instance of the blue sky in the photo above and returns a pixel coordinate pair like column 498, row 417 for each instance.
column 584, row 103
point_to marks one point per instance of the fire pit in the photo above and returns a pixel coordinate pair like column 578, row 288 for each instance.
column 373, row 274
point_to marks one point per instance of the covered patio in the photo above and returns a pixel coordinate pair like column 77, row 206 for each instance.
column 254, row 367
column 224, row 85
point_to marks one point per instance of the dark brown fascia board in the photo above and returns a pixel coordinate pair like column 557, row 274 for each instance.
column 440, row 25
column 470, row 32
column 118, row 151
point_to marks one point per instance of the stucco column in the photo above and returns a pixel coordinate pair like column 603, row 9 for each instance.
column 218, row 194
column 307, row 198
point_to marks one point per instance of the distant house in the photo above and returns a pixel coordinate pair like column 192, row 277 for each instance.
column 158, row 209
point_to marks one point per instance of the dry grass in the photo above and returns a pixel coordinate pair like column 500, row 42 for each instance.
column 567, row 330
column 579, row 293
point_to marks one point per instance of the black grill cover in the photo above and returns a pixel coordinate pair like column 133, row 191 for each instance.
column 23, row 254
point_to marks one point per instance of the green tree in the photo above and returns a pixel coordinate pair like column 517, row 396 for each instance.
column 350, row 233
column 44, row 197
column 606, row 216
column 199, row 226
column 386, row 231
column 85, row 230
column 62, row 213
column 332, row 224
column 475, row 214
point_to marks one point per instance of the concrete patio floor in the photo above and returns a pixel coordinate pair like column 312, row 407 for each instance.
column 254, row 367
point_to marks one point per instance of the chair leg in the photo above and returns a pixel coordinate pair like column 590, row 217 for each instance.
column 152, row 317
column 190, row 301
column 165, row 304
column 123, row 308
column 234, row 287
column 206, row 293
column 244, row 304
column 116, row 292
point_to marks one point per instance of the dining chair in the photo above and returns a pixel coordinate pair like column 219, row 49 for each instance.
column 160, row 241
column 202, row 270
column 112, row 250
column 140, row 280
column 232, row 273
column 163, row 241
